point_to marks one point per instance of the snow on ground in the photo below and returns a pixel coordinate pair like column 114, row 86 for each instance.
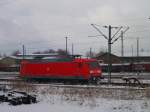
column 52, row 99
column 104, row 105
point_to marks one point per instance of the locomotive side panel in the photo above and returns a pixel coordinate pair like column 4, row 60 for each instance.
column 63, row 70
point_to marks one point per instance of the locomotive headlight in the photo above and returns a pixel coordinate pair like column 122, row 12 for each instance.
column 91, row 71
column 98, row 71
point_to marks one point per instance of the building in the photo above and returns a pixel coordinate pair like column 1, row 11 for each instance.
column 104, row 58
column 134, row 59
column 126, row 59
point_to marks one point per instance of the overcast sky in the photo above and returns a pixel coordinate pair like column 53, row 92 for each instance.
column 44, row 24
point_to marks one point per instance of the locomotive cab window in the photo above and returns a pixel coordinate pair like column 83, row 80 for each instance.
column 93, row 64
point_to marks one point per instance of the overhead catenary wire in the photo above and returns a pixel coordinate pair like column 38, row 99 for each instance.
column 109, row 39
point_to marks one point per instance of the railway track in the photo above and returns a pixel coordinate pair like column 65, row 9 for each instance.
column 10, row 79
column 102, row 87
column 114, row 85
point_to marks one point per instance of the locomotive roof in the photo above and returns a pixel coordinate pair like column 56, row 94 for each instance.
column 41, row 56
column 83, row 59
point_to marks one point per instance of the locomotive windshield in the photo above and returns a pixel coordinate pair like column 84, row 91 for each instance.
column 93, row 64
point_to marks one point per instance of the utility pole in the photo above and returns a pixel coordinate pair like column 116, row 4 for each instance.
column 72, row 49
column 122, row 41
column 109, row 55
column 111, row 40
column 138, row 48
column 132, row 49
column 90, row 52
column 66, row 44
column 23, row 51
column 122, row 51
column 122, row 45
column 138, row 73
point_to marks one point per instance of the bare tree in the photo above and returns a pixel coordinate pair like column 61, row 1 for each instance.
column 45, row 52
column 90, row 54
column 15, row 53
column 37, row 52
column 49, row 51
column 101, row 51
column 62, row 52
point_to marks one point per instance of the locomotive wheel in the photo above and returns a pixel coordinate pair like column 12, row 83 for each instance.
column 98, row 81
column 94, row 80
column 90, row 81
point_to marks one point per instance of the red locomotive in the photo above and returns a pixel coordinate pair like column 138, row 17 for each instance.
column 68, row 68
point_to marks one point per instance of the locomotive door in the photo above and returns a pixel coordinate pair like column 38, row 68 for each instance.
column 79, row 70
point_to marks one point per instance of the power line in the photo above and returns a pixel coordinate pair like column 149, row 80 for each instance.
column 131, row 37
column 147, row 30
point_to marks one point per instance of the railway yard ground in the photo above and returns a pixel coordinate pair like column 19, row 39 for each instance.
column 54, row 97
